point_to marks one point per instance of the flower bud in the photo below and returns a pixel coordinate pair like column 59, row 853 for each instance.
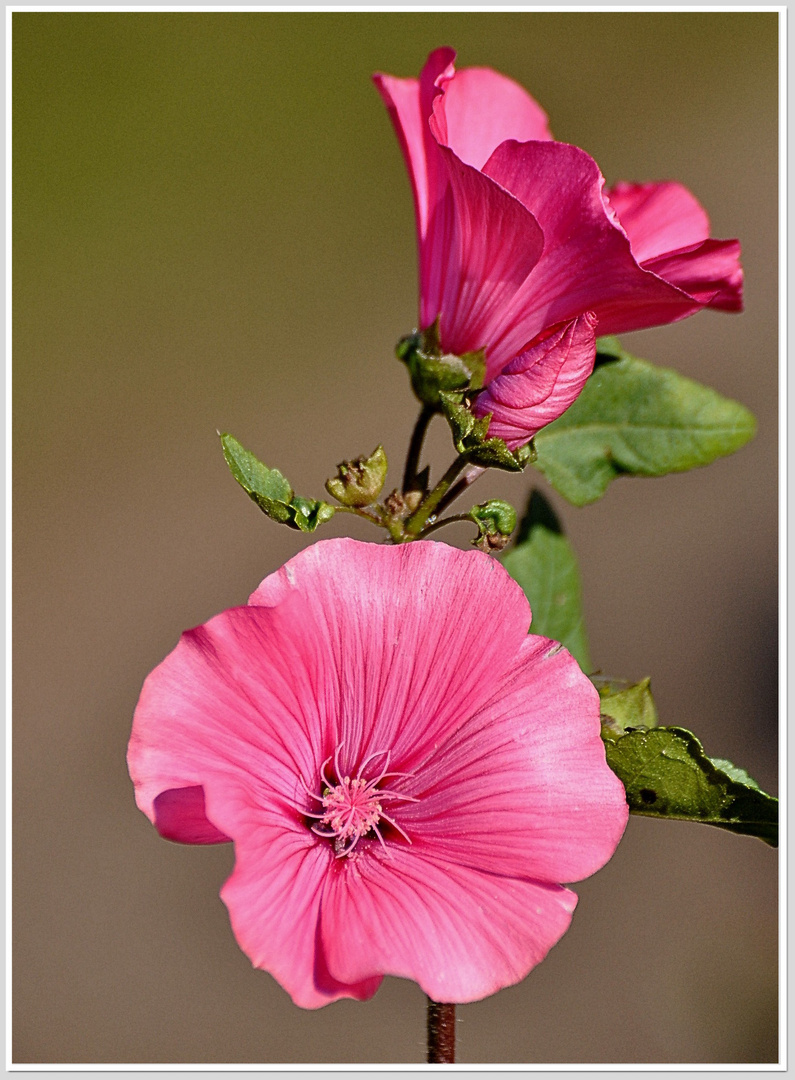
column 496, row 520
column 359, row 482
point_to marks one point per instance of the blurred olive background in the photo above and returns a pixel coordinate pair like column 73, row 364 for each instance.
column 213, row 230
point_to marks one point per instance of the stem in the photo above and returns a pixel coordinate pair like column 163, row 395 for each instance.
column 442, row 522
column 441, row 1033
column 367, row 514
column 470, row 477
column 415, row 448
column 416, row 523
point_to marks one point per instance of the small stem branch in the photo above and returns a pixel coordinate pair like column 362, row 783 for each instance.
column 416, row 523
column 441, row 1033
column 367, row 514
column 415, row 448
column 444, row 521
column 471, row 475
column 377, row 516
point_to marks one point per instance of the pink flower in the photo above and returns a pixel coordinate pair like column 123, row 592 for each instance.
column 405, row 792
column 517, row 240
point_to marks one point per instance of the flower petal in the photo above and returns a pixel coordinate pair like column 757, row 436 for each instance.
column 587, row 264
column 230, row 703
column 658, row 218
column 460, row 933
column 274, row 897
column 481, row 246
column 669, row 233
column 522, row 788
column 409, row 103
column 479, row 108
column 477, row 244
column 180, row 816
column 390, row 641
column 540, row 383
column 710, row 272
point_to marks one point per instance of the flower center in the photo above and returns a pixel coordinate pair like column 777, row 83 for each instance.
column 352, row 807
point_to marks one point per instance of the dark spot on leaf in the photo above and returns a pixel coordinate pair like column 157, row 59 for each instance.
column 648, row 796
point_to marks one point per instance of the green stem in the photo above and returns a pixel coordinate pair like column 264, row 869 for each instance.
column 416, row 523
column 441, row 1033
column 441, row 524
column 376, row 516
column 415, row 447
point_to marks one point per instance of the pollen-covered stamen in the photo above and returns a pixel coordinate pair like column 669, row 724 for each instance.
column 353, row 806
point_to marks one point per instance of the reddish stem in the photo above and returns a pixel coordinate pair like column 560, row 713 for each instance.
column 441, row 1033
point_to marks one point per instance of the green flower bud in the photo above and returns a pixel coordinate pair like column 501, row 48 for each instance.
column 359, row 482
column 496, row 520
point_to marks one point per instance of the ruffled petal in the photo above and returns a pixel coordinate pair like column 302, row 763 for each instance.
column 409, row 103
column 540, row 383
column 390, row 643
column 587, row 264
column 476, row 243
column 668, row 230
column 709, row 272
column 274, row 897
column 658, row 217
column 460, row 933
column 479, row 108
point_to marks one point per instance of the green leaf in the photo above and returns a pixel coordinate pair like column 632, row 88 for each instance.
column 667, row 774
column 624, row 705
column 267, row 487
column 271, row 491
column 740, row 775
column 632, row 417
column 543, row 563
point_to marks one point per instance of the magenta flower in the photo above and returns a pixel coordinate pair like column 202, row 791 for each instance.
column 517, row 241
column 405, row 792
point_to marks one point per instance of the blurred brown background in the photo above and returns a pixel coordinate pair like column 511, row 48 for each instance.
column 213, row 230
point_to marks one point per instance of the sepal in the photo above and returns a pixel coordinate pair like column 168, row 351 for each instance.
column 470, row 436
column 433, row 372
